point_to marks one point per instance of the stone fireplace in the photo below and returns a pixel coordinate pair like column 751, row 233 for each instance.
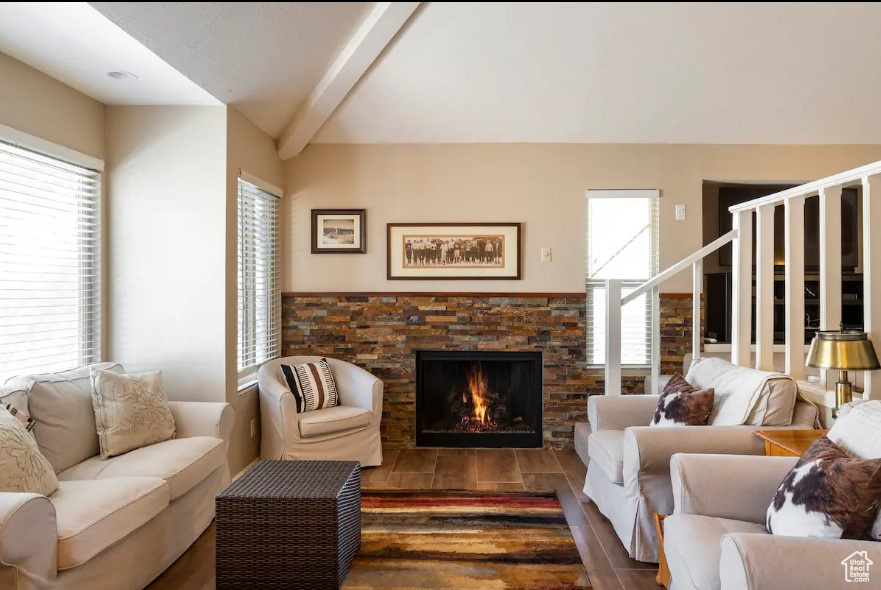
column 478, row 399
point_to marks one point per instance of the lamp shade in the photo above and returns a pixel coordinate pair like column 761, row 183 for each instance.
column 847, row 350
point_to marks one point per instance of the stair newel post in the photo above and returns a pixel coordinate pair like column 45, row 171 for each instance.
column 613, row 337
column 794, row 260
column 872, row 275
column 742, row 288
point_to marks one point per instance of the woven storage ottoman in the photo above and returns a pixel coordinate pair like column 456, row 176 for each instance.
column 289, row 524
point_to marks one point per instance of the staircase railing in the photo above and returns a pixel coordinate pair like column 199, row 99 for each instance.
column 829, row 191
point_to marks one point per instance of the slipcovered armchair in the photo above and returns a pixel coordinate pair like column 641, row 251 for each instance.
column 716, row 538
column 349, row 431
column 628, row 462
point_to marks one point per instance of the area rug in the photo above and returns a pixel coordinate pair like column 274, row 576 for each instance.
column 465, row 540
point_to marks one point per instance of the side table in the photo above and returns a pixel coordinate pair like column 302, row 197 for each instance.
column 289, row 524
column 788, row 443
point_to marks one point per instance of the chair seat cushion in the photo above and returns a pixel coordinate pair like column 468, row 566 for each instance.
column 692, row 545
column 181, row 462
column 92, row 515
column 606, row 449
column 331, row 420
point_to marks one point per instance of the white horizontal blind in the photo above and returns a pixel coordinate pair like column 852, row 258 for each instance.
column 50, row 266
column 259, row 300
column 622, row 243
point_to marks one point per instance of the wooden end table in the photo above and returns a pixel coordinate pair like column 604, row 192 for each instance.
column 788, row 443
column 663, row 577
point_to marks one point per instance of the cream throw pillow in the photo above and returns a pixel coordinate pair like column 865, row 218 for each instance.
column 23, row 468
column 131, row 411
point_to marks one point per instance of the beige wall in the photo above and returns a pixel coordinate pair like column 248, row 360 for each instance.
column 251, row 150
column 541, row 185
column 32, row 102
column 166, row 219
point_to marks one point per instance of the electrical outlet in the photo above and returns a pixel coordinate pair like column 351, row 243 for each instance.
column 680, row 212
column 253, row 427
column 545, row 254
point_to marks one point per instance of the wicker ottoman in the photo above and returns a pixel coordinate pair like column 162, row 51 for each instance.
column 289, row 524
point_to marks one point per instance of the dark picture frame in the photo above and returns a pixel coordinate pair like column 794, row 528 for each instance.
column 339, row 231
column 454, row 251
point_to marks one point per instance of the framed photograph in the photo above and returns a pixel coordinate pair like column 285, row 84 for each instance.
column 339, row 231
column 454, row 251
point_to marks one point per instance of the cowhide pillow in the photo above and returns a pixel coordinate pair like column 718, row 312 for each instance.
column 828, row 494
column 681, row 404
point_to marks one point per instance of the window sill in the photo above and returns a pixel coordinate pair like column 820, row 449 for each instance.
column 626, row 370
column 246, row 386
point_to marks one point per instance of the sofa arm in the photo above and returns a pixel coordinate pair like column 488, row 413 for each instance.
column 727, row 486
column 649, row 449
column 359, row 388
column 203, row 419
column 617, row 412
column 28, row 539
column 753, row 561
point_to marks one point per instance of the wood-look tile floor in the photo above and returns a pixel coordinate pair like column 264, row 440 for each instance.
column 604, row 557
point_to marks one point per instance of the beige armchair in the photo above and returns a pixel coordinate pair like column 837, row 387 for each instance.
column 716, row 538
column 349, row 431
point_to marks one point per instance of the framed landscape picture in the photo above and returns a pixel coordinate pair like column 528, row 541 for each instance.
column 454, row 251
column 339, row 231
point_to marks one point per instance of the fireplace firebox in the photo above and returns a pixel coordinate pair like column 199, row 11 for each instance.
column 478, row 399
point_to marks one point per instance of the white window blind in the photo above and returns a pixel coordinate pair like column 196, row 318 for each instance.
column 50, row 265
column 622, row 243
column 259, row 300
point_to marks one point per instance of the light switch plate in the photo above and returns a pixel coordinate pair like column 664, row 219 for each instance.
column 545, row 254
column 680, row 212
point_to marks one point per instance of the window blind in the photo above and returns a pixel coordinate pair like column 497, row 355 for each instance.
column 622, row 243
column 259, row 300
column 50, row 263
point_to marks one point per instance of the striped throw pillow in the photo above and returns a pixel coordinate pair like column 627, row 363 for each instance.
column 312, row 385
column 25, row 420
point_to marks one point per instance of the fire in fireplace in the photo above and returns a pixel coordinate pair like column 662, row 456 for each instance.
column 478, row 399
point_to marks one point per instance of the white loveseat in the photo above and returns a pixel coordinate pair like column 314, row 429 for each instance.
column 112, row 524
column 628, row 462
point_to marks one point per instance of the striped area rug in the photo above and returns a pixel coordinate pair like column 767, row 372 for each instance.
column 465, row 540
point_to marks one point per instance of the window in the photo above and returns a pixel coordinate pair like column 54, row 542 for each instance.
column 50, row 266
column 622, row 243
column 259, row 302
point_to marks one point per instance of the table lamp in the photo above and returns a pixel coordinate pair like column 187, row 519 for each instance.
column 845, row 350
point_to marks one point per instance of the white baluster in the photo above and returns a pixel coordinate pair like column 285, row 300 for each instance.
column 830, row 260
column 872, row 275
column 613, row 337
column 765, row 288
column 794, row 226
column 697, row 282
column 742, row 288
column 656, row 341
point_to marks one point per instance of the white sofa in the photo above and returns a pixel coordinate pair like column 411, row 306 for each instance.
column 628, row 462
column 349, row 431
column 112, row 524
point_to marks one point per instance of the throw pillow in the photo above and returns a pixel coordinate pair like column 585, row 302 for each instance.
column 680, row 404
column 25, row 420
column 131, row 411
column 828, row 494
column 23, row 468
column 312, row 385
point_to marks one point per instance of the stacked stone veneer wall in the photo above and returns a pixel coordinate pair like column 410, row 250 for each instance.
column 381, row 333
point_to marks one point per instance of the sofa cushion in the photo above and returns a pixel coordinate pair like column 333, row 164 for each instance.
column 61, row 405
column 606, row 449
column 92, row 515
column 22, row 467
column 312, row 385
column 330, row 420
column 692, row 546
column 681, row 404
column 181, row 462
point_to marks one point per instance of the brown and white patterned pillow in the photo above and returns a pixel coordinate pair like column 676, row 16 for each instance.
column 828, row 494
column 25, row 420
column 23, row 468
column 312, row 385
column 681, row 404
column 131, row 411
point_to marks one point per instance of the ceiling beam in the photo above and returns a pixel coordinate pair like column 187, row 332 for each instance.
column 362, row 49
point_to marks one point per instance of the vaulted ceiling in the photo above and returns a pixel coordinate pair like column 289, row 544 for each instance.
column 360, row 72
